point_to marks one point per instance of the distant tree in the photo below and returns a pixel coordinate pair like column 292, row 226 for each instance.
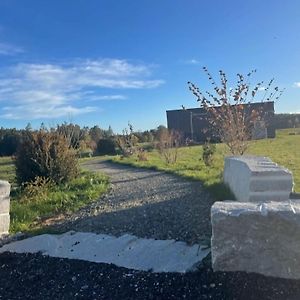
column 28, row 127
column 161, row 131
column 73, row 133
column 9, row 141
column 226, row 110
column 109, row 132
column 96, row 133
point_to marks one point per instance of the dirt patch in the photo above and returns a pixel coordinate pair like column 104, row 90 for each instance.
column 33, row 276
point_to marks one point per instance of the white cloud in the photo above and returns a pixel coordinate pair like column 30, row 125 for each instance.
column 36, row 91
column 8, row 49
column 18, row 112
column 297, row 84
column 106, row 97
column 192, row 61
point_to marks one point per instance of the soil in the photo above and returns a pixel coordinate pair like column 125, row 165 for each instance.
column 34, row 276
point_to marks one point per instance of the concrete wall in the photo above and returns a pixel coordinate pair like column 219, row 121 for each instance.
column 4, row 207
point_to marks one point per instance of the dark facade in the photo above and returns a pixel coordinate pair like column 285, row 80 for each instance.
column 193, row 123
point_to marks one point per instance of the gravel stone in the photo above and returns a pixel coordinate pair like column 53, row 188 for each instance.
column 146, row 203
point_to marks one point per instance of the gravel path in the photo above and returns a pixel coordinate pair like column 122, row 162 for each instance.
column 148, row 204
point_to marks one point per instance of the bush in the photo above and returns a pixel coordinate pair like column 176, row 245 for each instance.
column 127, row 141
column 142, row 155
column 45, row 154
column 208, row 152
column 168, row 145
column 106, row 146
column 37, row 189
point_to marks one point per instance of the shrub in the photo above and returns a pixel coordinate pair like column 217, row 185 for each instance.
column 45, row 154
column 127, row 141
column 168, row 145
column 142, row 155
column 106, row 146
column 208, row 152
column 37, row 189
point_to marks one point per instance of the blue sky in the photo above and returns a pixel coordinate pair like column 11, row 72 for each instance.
column 108, row 62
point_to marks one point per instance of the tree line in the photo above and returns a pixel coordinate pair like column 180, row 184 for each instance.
column 87, row 140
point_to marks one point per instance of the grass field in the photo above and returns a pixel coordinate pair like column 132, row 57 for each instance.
column 284, row 150
column 29, row 212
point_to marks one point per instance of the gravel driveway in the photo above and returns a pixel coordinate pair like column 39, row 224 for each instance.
column 148, row 204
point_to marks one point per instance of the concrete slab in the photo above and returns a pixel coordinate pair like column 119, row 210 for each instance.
column 126, row 251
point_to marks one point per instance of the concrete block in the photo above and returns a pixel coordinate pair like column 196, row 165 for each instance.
column 4, row 223
column 252, row 237
column 4, row 188
column 258, row 179
column 4, row 205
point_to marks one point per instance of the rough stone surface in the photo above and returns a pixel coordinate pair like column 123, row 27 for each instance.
column 257, row 179
column 125, row 251
column 261, row 238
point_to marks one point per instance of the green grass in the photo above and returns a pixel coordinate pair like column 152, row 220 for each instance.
column 284, row 150
column 7, row 170
column 27, row 212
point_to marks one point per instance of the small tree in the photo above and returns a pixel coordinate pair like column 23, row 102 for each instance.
column 228, row 109
column 208, row 151
column 127, row 141
column 169, row 142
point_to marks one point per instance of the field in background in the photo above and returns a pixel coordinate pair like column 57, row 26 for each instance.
column 284, row 150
